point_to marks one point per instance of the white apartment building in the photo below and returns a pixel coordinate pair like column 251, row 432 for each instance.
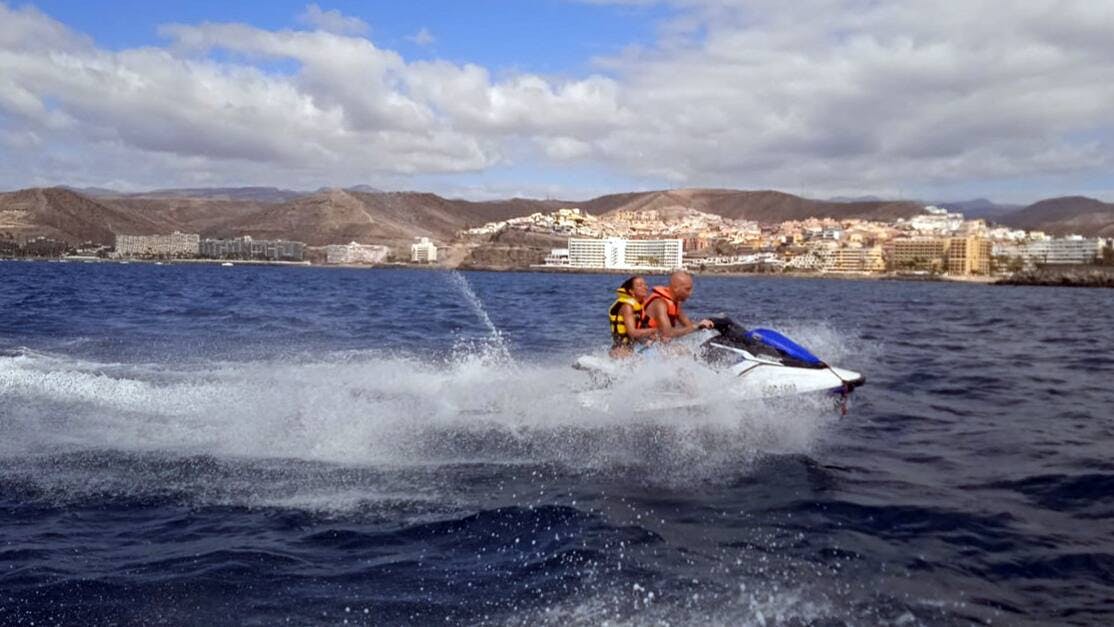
column 423, row 251
column 937, row 220
column 557, row 257
column 356, row 253
column 174, row 245
column 819, row 259
column 1067, row 250
column 626, row 254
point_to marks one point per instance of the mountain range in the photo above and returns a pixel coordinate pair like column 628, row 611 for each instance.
column 368, row 215
column 980, row 208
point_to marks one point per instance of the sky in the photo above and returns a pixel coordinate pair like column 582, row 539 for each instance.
column 1008, row 100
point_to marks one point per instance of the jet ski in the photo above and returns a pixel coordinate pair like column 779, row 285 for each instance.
column 765, row 363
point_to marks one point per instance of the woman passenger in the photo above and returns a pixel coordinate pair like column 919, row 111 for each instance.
column 625, row 317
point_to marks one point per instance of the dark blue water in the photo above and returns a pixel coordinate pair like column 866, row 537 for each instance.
column 211, row 445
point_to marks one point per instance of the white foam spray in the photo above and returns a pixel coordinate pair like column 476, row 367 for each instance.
column 496, row 341
column 671, row 421
column 368, row 408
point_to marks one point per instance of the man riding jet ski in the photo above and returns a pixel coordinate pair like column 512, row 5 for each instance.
column 765, row 363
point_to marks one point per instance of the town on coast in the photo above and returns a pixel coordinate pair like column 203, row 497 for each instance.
column 934, row 243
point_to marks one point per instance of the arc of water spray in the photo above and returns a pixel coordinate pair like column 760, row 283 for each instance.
column 497, row 342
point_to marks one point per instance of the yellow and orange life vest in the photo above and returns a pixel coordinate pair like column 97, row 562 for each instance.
column 619, row 331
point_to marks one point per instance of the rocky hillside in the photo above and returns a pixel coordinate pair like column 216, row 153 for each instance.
column 63, row 214
column 512, row 249
column 1064, row 216
column 189, row 215
column 341, row 215
column 760, row 206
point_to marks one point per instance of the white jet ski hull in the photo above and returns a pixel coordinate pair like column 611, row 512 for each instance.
column 757, row 372
column 755, row 379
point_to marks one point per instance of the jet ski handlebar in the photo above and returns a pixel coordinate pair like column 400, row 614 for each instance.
column 726, row 326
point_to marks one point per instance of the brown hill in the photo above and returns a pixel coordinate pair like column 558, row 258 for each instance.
column 335, row 216
column 1065, row 216
column 759, row 206
column 188, row 215
column 250, row 194
column 63, row 214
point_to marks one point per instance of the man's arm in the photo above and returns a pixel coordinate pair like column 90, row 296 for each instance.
column 685, row 326
column 659, row 311
column 683, row 318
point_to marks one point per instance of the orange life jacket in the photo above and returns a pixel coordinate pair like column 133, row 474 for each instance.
column 663, row 293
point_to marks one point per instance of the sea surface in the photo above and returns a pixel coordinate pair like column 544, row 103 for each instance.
column 200, row 445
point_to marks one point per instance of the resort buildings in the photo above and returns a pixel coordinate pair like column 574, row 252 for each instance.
column 173, row 245
column 953, row 255
column 1069, row 250
column 623, row 254
column 247, row 248
column 352, row 253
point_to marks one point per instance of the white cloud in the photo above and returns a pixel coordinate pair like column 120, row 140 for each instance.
column 825, row 92
column 832, row 95
column 332, row 21
column 423, row 37
column 565, row 148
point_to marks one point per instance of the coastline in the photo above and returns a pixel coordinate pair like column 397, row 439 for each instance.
column 1060, row 276
column 1087, row 276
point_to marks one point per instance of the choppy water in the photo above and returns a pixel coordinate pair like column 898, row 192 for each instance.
column 200, row 445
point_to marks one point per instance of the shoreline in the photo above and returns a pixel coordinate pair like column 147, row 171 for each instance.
column 1074, row 277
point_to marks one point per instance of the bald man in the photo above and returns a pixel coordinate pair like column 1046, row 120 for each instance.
column 663, row 309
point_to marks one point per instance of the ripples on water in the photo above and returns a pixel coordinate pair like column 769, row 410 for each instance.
column 208, row 445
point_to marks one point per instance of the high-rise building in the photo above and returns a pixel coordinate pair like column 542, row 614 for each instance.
column 921, row 253
column 626, row 254
column 1068, row 250
column 969, row 255
column 248, row 248
column 954, row 255
column 423, row 251
column 175, row 244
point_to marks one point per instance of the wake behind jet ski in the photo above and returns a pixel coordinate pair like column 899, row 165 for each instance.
column 765, row 363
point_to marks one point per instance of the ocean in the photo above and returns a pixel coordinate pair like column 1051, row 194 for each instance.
column 199, row 445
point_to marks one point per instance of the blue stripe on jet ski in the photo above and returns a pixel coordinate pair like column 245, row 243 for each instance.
column 784, row 345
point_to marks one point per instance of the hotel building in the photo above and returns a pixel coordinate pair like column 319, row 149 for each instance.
column 173, row 245
column 969, row 255
column 356, row 253
column 867, row 259
column 423, row 251
column 626, row 254
column 954, row 255
column 247, row 248
column 1069, row 250
column 921, row 254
